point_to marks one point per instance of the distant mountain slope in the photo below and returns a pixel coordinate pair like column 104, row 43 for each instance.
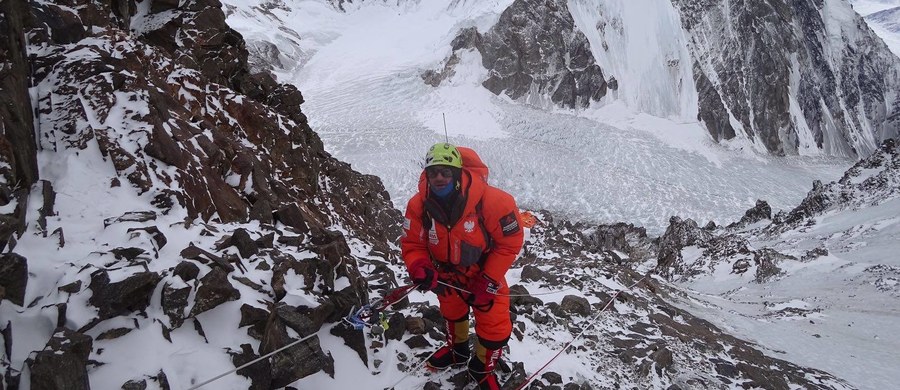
column 797, row 77
column 367, row 99
column 889, row 19
column 820, row 282
column 886, row 24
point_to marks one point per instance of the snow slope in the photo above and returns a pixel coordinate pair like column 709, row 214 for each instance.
column 883, row 17
column 829, row 295
column 837, row 313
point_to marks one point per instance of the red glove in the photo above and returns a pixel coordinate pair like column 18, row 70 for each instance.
column 423, row 274
column 483, row 290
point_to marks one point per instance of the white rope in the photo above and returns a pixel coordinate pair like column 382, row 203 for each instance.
column 254, row 361
column 508, row 295
column 590, row 325
column 286, row 347
column 417, row 365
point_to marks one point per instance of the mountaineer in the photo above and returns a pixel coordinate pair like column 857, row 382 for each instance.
column 463, row 233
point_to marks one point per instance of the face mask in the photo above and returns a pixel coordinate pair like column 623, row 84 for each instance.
column 443, row 192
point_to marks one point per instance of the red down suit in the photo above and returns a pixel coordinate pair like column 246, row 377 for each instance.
column 481, row 233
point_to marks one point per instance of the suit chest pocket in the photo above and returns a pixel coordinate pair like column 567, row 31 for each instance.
column 469, row 254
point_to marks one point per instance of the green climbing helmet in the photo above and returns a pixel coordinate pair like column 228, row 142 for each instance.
column 443, row 154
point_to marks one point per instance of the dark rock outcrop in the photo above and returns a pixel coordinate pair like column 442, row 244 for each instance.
column 122, row 297
column 13, row 277
column 174, row 300
column 868, row 182
column 241, row 240
column 534, row 53
column 260, row 374
column 303, row 359
column 18, row 150
column 62, row 364
column 679, row 234
column 17, row 145
column 757, row 213
column 767, row 260
column 572, row 304
column 622, row 237
column 215, row 289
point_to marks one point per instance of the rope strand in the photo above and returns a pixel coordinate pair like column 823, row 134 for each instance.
column 590, row 325
column 508, row 295
column 254, row 361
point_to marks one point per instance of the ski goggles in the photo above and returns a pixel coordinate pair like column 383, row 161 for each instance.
column 433, row 171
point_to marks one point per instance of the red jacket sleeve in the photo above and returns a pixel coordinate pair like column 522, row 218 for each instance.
column 413, row 246
column 504, row 224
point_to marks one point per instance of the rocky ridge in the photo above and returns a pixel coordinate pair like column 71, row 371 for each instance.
column 641, row 341
column 214, row 195
column 868, row 183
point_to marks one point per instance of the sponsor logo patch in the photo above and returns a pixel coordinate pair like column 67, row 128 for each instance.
column 432, row 236
column 509, row 224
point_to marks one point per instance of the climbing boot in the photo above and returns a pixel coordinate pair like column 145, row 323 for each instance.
column 481, row 366
column 456, row 352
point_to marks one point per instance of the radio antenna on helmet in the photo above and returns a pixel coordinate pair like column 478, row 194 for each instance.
column 446, row 137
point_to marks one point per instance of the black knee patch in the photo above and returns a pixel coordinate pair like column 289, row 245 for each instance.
column 493, row 344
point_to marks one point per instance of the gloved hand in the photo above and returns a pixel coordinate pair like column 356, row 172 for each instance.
column 424, row 275
column 483, row 290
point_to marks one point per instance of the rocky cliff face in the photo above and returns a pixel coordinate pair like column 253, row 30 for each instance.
column 18, row 161
column 795, row 76
column 535, row 53
column 171, row 183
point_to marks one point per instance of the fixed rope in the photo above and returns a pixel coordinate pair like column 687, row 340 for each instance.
column 266, row 356
column 406, row 290
column 590, row 325
column 389, row 300
column 419, row 364
column 507, row 295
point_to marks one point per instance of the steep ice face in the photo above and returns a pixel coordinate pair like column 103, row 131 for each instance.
column 804, row 78
column 640, row 44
